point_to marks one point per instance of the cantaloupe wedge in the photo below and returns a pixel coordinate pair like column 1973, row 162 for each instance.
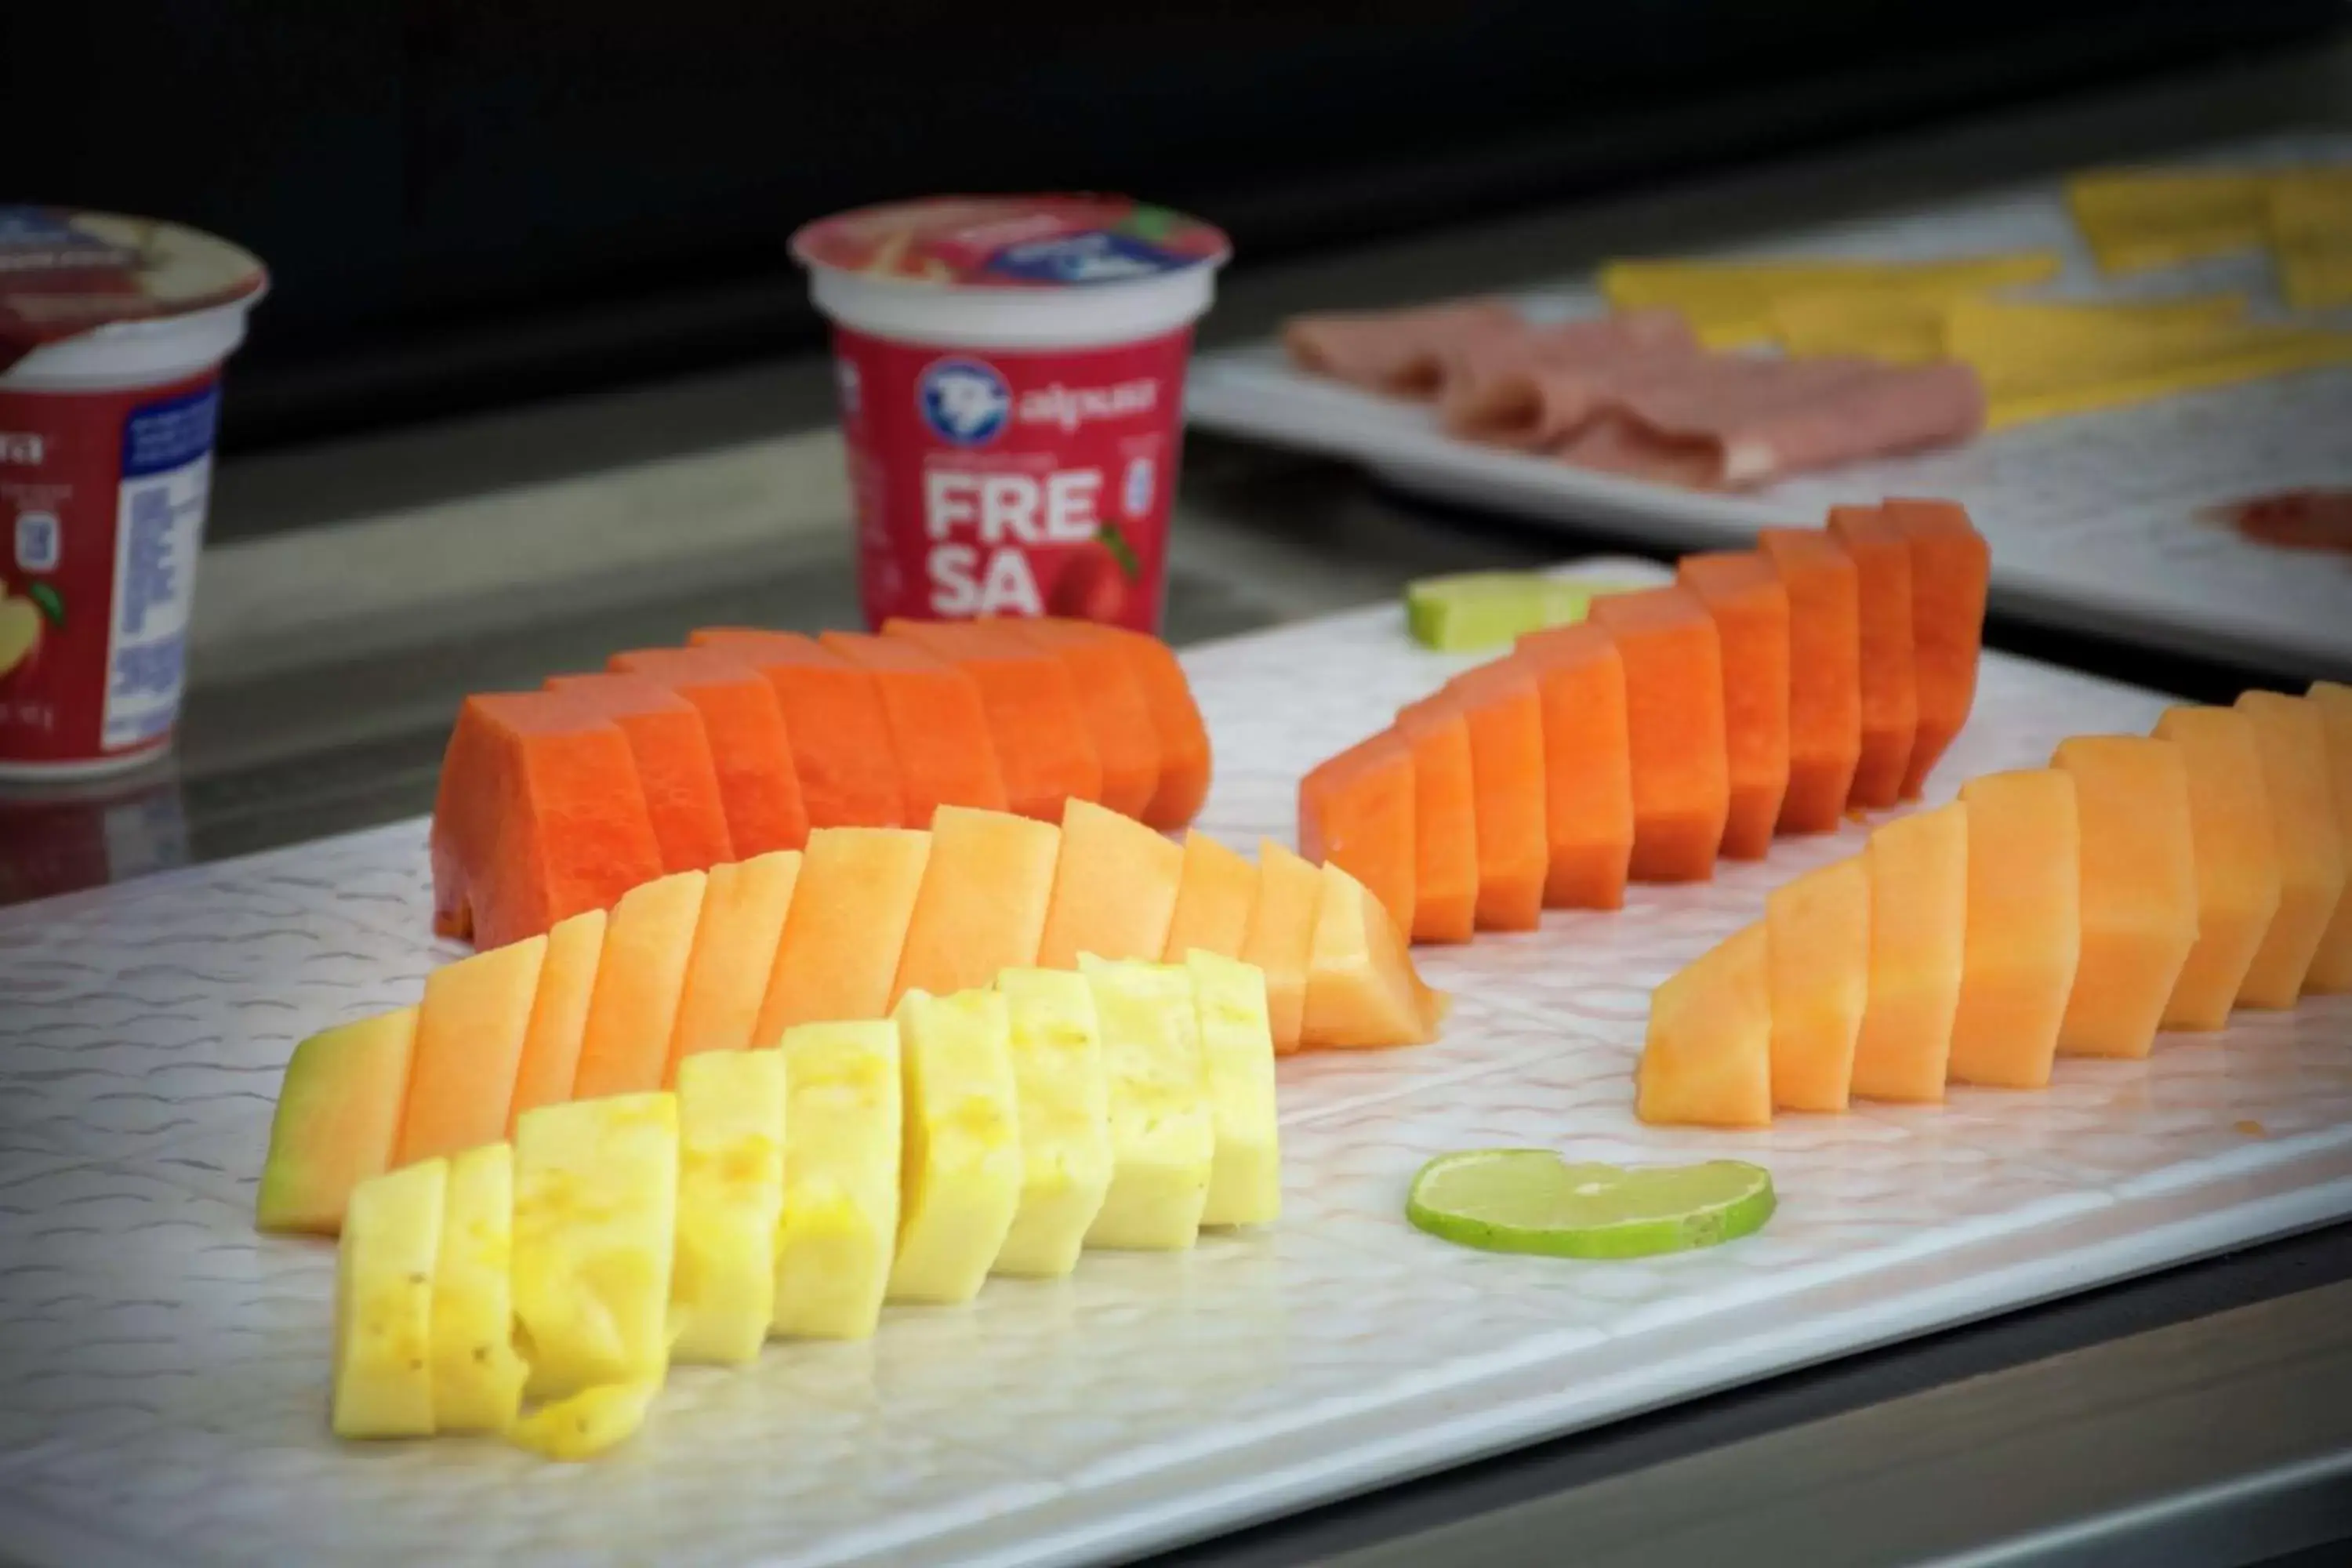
column 1588, row 778
column 634, row 1010
column 539, row 817
column 1182, row 738
column 2237, row 857
column 1499, row 702
column 1890, row 691
column 1216, row 892
column 1675, row 730
column 2292, row 740
column 838, row 957
column 1743, row 591
column 2138, row 890
column 1707, row 1059
column 674, row 763
column 1360, row 988
column 1043, row 743
column 1918, row 923
column 1281, row 939
column 559, row 1015
column 749, row 746
column 848, row 775
column 1824, row 675
column 2024, row 928
column 2331, row 966
column 742, row 924
column 1818, row 961
column 1114, row 890
column 982, row 907
column 1356, row 809
column 1951, row 568
column 1116, row 711
column 938, row 728
column 469, row 1041
column 337, row 1120
column 1446, row 822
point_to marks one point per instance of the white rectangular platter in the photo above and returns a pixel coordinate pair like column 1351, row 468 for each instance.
column 163, row 1369
column 2095, row 520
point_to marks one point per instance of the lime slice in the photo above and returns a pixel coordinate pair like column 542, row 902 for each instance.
column 1472, row 610
column 1531, row 1200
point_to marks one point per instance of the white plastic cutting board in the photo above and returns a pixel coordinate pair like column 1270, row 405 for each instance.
column 2095, row 520
column 163, row 1369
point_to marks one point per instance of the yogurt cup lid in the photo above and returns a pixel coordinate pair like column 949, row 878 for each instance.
column 65, row 272
column 1016, row 242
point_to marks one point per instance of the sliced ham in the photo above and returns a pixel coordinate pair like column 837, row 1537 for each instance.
column 1496, row 385
column 1403, row 352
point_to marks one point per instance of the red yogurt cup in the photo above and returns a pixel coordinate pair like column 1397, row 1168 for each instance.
column 1012, row 376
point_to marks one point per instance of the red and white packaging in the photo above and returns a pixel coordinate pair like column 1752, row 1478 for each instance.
column 112, row 332
column 1012, row 381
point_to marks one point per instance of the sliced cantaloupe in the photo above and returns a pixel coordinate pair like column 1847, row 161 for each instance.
column 1357, row 809
column 337, row 1122
column 2138, row 890
column 477, row 1379
column 938, row 727
column 1180, row 738
column 1824, row 675
column 1951, row 570
column 1361, row 988
column 981, row 907
column 744, row 911
column 1506, row 757
column 539, row 817
column 1043, row 744
column 843, row 937
column 1446, row 822
column 1889, row 679
column 2237, row 858
column 1707, row 1060
column 470, row 1040
column 633, row 1009
column 1588, row 778
column 848, row 775
column 1214, row 894
column 1675, row 730
column 2025, row 926
column 1114, row 888
column 1113, row 703
column 1281, row 939
column 750, row 747
column 1743, row 591
column 559, row 1015
column 1818, row 964
column 1918, row 922
column 2331, row 966
column 674, row 763
column 2292, row 740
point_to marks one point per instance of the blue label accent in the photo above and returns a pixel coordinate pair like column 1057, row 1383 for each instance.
column 170, row 434
column 1095, row 257
column 964, row 401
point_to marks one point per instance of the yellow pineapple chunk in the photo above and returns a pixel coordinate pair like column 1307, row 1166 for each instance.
column 1065, row 1116
column 587, row 1422
column 840, row 1220
column 477, row 1376
column 1238, row 1049
column 384, row 1303
column 962, row 1153
column 731, row 1194
column 1162, row 1140
column 594, row 1230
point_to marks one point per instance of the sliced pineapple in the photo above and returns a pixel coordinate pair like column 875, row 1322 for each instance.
column 583, row 1424
column 961, row 1154
column 1065, row 1117
column 840, row 1223
column 477, row 1377
column 1161, row 1136
column 384, row 1303
column 730, row 1195
column 1237, row 1051
column 594, row 1231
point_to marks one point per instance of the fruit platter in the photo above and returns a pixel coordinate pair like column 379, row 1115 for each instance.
column 1127, row 1096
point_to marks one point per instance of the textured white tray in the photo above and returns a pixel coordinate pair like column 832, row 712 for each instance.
column 163, row 1369
column 2094, row 519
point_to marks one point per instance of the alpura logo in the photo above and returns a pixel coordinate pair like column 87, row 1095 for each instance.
column 964, row 401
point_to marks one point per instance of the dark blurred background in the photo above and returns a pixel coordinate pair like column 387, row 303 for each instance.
column 468, row 204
